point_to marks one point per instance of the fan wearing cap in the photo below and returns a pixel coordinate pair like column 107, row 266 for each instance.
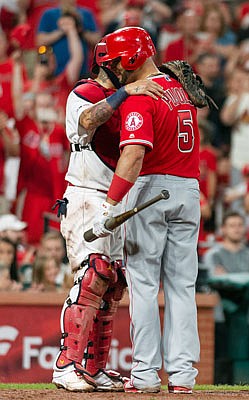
column 14, row 229
column 92, row 127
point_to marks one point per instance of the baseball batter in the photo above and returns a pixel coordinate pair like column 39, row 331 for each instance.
column 87, row 315
column 160, row 150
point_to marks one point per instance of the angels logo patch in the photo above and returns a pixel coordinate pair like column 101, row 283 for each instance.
column 133, row 121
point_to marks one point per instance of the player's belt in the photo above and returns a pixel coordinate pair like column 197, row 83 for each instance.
column 84, row 187
column 79, row 147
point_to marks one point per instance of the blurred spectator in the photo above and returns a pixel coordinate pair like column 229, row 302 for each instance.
column 204, row 241
column 45, row 271
column 231, row 255
column 6, row 77
column 208, row 66
column 52, row 244
column 92, row 5
column 219, row 38
column 54, row 30
column 18, row 37
column 208, row 170
column 20, row 24
column 8, row 266
column 223, row 182
column 234, row 196
column 109, row 11
column 242, row 20
column 14, row 229
column 44, row 78
column 200, row 5
column 239, row 58
column 149, row 15
column 44, row 157
column 9, row 147
column 188, row 47
column 235, row 113
column 10, row 12
column 29, row 12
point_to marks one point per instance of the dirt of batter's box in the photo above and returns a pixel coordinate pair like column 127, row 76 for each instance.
column 60, row 394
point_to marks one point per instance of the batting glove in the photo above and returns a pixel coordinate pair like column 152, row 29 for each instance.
column 106, row 211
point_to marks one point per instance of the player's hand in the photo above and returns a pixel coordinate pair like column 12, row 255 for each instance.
column 145, row 87
column 106, row 211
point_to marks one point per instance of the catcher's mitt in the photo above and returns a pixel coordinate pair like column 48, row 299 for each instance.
column 191, row 83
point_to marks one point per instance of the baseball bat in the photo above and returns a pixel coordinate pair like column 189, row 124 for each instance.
column 114, row 222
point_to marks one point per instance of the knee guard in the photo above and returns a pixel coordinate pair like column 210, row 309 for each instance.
column 103, row 267
column 101, row 335
column 78, row 315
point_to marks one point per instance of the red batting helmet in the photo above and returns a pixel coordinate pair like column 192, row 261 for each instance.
column 133, row 44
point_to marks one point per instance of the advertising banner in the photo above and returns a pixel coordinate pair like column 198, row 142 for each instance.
column 30, row 340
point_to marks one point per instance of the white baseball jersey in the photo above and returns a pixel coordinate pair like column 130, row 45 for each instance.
column 93, row 166
column 90, row 172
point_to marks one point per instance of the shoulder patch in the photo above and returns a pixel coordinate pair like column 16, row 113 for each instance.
column 133, row 121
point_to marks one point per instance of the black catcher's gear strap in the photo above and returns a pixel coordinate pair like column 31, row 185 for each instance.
column 62, row 207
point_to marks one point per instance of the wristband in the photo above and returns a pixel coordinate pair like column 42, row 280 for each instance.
column 117, row 98
column 119, row 187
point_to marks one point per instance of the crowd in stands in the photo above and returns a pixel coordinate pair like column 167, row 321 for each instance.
column 45, row 48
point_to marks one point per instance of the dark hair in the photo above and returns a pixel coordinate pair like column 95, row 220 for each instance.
column 205, row 55
column 231, row 214
column 39, row 265
column 217, row 10
column 13, row 267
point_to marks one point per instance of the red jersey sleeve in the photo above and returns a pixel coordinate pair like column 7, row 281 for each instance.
column 137, row 122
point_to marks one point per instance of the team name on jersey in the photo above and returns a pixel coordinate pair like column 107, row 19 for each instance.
column 174, row 97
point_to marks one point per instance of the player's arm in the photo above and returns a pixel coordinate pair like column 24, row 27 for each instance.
column 96, row 115
column 127, row 171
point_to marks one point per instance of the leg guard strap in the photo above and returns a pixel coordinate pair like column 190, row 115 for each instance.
column 101, row 335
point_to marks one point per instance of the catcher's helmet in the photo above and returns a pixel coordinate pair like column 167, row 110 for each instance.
column 99, row 51
column 132, row 44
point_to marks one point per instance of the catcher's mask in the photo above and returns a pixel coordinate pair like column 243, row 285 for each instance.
column 99, row 52
column 132, row 44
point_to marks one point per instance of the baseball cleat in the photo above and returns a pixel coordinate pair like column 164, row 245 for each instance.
column 130, row 388
column 109, row 381
column 180, row 389
column 72, row 380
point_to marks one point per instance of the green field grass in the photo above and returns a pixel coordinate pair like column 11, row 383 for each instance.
column 41, row 386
